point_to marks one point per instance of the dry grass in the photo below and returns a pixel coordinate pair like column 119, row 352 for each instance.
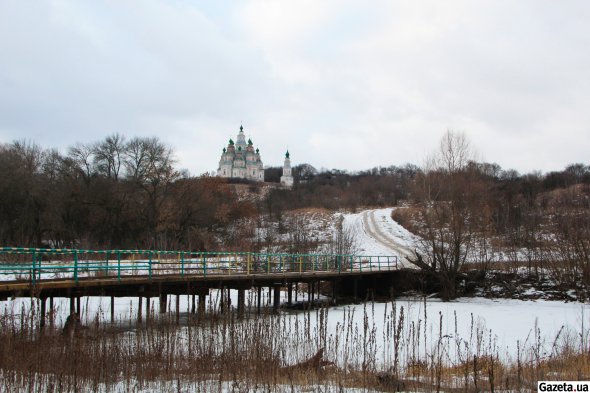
column 272, row 353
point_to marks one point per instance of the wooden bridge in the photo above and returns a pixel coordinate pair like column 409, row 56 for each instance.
column 47, row 273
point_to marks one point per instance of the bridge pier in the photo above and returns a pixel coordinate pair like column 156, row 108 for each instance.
column 163, row 303
column 277, row 299
column 78, row 308
column 221, row 299
column 43, row 301
column 72, row 305
column 148, row 306
column 241, row 302
column 290, row 294
column 139, row 308
column 202, row 302
column 177, row 309
column 193, row 308
column 51, row 312
column 259, row 299
column 112, row 309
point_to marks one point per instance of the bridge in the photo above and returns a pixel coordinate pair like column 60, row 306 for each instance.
column 43, row 274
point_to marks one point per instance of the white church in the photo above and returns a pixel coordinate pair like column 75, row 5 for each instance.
column 240, row 160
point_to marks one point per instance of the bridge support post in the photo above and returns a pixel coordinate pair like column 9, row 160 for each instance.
column 177, row 309
column 290, row 294
column 51, row 312
column 43, row 301
column 163, row 303
column 203, row 293
column 277, row 299
column 310, row 296
column 139, row 309
column 296, row 291
column 258, row 299
column 193, row 307
column 221, row 299
column 148, row 306
column 112, row 309
column 335, row 288
column 78, row 308
column 241, row 302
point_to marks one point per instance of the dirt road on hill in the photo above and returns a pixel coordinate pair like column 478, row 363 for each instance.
column 371, row 227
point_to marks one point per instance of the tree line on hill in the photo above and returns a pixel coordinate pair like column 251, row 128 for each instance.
column 119, row 193
column 111, row 194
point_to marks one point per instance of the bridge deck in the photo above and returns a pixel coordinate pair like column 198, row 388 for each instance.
column 137, row 285
column 139, row 272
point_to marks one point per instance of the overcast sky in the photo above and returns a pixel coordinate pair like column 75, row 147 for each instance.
column 341, row 84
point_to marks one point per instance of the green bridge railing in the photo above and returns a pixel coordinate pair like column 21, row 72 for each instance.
column 40, row 264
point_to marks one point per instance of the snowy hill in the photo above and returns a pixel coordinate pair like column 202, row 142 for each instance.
column 376, row 233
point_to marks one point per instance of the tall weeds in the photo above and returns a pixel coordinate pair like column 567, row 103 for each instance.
column 321, row 349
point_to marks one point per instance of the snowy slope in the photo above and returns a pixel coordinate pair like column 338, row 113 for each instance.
column 377, row 233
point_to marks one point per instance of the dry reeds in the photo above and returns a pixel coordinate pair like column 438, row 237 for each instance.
column 360, row 348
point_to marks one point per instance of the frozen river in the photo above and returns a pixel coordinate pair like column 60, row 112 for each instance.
column 470, row 325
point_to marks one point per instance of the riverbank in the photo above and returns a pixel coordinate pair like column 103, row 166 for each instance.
column 416, row 344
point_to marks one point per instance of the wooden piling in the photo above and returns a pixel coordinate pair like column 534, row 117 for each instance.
column 177, row 309
column 148, row 306
column 221, row 300
column 43, row 301
column 112, row 309
column 163, row 303
column 241, row 302
column 51, row 312
column 202, row 304
column 277, row 299
column 258, row 299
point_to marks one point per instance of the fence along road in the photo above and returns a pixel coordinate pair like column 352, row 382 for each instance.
column 48, row 273
column 24, row 270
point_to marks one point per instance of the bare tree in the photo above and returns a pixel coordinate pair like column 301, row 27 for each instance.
column 136, row 158
column 449, row 196
column 343, row 241
column 82, row 156
column 108, row 155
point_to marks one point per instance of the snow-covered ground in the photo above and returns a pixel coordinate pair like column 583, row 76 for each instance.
column 376, row 233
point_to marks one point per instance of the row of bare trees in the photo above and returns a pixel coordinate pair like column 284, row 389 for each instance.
column 469, row 212
column 128, row 193
column 109, row 194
